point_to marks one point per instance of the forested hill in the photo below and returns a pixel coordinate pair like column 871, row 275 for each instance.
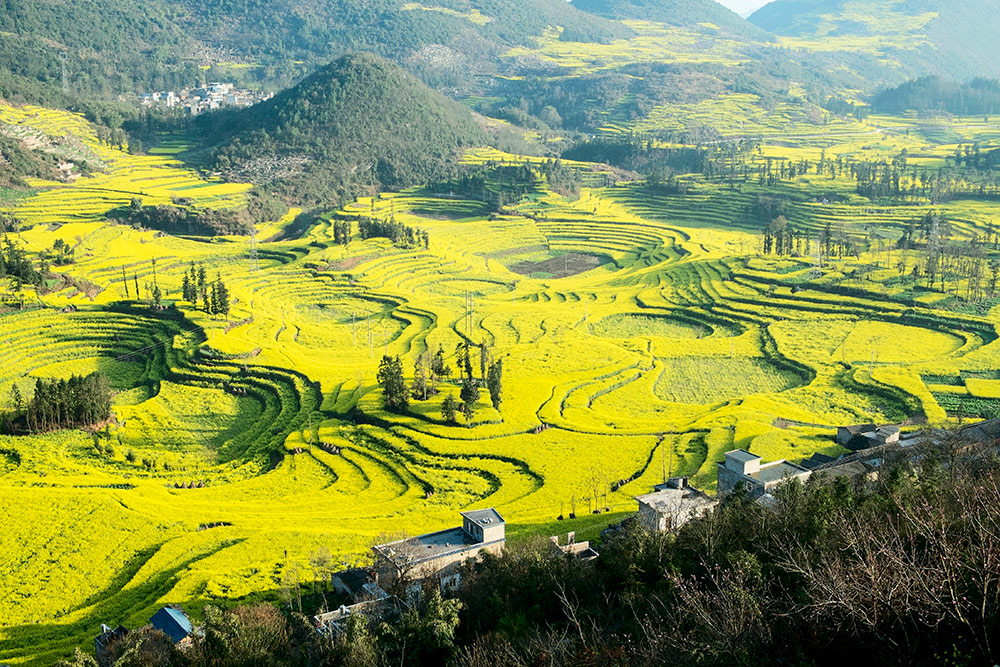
column 940, row 95
column 272, row 41
column 683, row 13
column 360, row 124
column 958, row 33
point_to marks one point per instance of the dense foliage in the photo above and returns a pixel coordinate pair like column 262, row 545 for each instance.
column 56, row 404
column 187, row 221
column 15, row 263
column 940, row 95
column 18, row 163
column 170, row 39
column 359, row 125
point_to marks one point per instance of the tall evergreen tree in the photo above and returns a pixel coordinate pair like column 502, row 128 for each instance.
column 494, row 383
column 390, row 378
column 469, row 396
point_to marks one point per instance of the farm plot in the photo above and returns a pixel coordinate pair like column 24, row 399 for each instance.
column 244, row 444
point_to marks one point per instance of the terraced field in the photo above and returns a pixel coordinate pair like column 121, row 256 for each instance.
column 239, row 447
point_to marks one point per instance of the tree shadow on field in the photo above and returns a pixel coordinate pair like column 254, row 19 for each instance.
column 44, row 644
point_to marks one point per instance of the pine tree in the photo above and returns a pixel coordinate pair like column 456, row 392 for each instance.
column 419, row 379
column 186, row 288
column 469, row 396
column 16, row 399
column 390, row 378
column 494, row 383
column 222, row 298
column 439, row 369
column 449, row 408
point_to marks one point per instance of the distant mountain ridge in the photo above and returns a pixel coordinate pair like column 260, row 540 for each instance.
column 354, row 127
column 274, row 41
column 959, row 32
column 682, row 13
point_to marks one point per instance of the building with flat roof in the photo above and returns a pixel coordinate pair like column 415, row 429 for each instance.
column 442, row 553
column 741, row 468
column 672, row 505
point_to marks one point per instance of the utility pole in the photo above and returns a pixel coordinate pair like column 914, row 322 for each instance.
column 354, row 333
column 253, row 250
column 371, row 345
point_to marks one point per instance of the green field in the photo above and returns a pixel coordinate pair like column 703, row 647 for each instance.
column 680, row 328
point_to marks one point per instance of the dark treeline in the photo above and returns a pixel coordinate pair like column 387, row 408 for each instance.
column 56, row 404
column 843, row 108
column 639, row 154
column 189, row 221
column 400, row 234
column 500, row 184
column 900, row 571
column 939, row 95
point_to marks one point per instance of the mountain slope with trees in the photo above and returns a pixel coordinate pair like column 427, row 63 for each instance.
column 358, row 125
column 683, row 13
column 955, row 31
column 276, row 42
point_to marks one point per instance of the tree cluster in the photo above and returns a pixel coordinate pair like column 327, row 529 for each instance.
column 400, row 234
column 15, row 263
column 57, row 404
column 214, row 296
column 390, row 379
column 185, row 220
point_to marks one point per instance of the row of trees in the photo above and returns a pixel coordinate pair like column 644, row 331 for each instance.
column 57, row 404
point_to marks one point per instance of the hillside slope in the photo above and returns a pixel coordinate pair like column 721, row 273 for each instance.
column 958, row 33
column 360, row 124
column 683, row 13
column 262, row 40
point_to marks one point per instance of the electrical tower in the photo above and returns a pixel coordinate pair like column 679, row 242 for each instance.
column 65, row 74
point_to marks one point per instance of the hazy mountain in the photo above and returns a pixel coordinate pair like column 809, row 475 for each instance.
column 684, row 13
column 923, row 36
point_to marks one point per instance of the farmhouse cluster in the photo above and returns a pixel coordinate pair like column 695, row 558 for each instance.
column 209, row 97
column 407, row 566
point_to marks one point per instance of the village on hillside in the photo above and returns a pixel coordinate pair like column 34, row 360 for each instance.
column 211, row 96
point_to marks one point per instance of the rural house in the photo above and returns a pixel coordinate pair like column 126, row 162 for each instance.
column 672, row 505
column 173, row 622
column 441, row 554
column 741, row 468
column 866, row 436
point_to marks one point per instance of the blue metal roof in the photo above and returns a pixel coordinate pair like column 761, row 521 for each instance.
column 173, row 622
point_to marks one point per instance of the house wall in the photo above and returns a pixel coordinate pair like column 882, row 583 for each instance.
column 729, row 480
column 651, row 519
column 389, row 573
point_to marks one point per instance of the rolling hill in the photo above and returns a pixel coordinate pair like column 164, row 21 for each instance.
column 357, row 125
column 897, row 30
